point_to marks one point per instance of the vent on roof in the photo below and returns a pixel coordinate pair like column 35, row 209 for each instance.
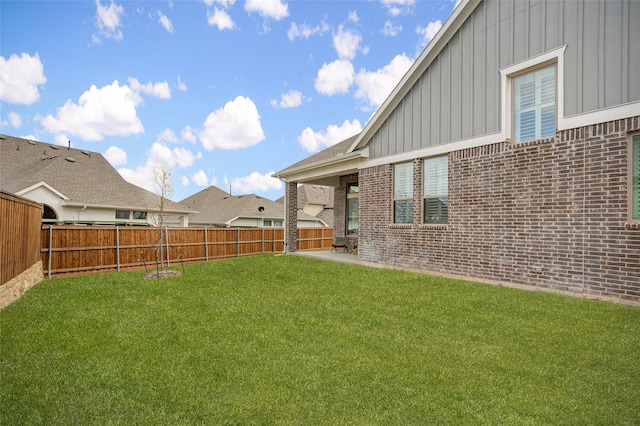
column 2, row 137
column 86, row 153
column 53, row 147
column 69, row 159
column 31, row 142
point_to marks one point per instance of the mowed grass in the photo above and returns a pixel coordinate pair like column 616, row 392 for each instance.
column 291, row 340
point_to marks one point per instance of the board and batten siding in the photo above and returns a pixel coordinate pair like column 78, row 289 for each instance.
column 458, row 96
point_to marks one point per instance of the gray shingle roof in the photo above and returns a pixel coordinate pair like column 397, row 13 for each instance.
column 85, row 177
column 217, row 208
column 334, row 151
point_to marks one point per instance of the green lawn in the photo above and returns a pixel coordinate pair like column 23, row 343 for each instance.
column 290, row 340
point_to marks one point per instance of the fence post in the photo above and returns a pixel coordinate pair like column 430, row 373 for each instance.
column 206, row 245
column 238, row 242
column 118, row 248
column 166, row 232
column 263, row 238
column 50, row 250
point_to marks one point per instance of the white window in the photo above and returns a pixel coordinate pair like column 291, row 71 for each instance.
column 436, row 190
column 352, row 208
column 634, row 178
column 534, row 105
column 403, row 193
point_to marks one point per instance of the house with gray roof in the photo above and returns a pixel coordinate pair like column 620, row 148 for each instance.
column 217, row 208
column 509, row 152
column 316, row 201
column 78, row 186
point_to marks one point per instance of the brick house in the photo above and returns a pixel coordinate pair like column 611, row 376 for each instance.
column 509, row 152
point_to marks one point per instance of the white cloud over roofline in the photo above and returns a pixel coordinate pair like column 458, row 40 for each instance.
column 234, row 126
column 255, row 182
column 313, row 141
column 375, row 86
column 100, row 112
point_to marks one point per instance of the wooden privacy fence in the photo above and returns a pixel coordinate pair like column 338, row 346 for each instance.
column 85, row 249
column 20, row 221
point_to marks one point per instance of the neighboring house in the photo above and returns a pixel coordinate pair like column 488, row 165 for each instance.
column 78, row 186
column 217, row 208
column 316, row 201
column 508, row 152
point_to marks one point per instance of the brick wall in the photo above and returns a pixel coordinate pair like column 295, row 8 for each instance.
column 550, row 213
column 291, row 216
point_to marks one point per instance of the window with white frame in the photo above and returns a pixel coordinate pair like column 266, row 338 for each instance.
column 403, row 193
column 352, row 208
column 634, row 178
column 436, row 190
column 534, row 104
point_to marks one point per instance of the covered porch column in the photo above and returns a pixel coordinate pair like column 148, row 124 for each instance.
column 291, row 216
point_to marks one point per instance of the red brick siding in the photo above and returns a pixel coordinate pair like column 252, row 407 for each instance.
column 549, row 213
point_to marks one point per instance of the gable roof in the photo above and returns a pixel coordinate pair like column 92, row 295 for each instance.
column 428, row 55
column 315, row 194
column 81, row 177
column 217, row 208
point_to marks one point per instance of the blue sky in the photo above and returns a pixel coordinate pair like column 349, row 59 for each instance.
column 223, row 92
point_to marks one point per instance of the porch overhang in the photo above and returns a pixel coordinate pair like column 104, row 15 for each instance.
column 325, row 172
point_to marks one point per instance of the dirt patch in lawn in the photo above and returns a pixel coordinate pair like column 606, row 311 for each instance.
column 160, row 275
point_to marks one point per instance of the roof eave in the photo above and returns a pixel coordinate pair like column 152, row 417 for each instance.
column 146, row 209
column 348, row 160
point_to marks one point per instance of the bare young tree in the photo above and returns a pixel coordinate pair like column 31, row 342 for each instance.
column 164, row 189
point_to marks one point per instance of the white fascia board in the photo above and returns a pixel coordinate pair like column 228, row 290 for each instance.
column 428, row 55
column 328, row 167
column 618, row 112
column 45, row 185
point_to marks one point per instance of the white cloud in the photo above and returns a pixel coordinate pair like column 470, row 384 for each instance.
column 116, row 156
column 291, row 99
column 391, row 30
column 157, row 90
column 375, row 86
column 108, row 111
column 20, row 77
column 223, row 3
column 236, row 125
column 200, row 178
column 428, row 32
column 353, row 16
column 314, row 141
column 184, row 180
column 168, row 135
column 220, row 19
column 180, row 85
column 273, row 9
column 305, row 30
column 165, row 22
column 108, row 21
column 346, row 43
column 397, row 7
column 158, row 154
column 335, row 77
column 256, row 182
column 187, row 135
column 15, row 119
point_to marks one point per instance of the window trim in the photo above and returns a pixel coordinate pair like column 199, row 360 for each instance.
column 393, row 193
column 630, row 198
column 433, row 196
column 351, row 195
column 507, row 74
